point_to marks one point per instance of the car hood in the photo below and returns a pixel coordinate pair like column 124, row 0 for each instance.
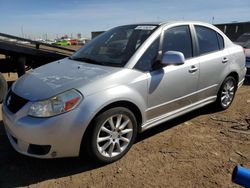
column 57, row 77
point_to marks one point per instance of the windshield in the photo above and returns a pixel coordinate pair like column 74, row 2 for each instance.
column 243, row 38
column 247, row 45
column 114, row 47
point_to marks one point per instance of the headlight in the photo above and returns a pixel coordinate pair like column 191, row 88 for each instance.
column 56, row 105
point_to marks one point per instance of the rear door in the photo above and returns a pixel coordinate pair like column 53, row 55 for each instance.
column 214, row 61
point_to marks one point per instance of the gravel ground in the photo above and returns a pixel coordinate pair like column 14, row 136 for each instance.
column 199, row 149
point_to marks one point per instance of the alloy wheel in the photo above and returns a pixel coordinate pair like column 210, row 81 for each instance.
column 114, row 135
column 227, row 93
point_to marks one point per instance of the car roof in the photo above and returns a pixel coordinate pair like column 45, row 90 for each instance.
column 169, row 22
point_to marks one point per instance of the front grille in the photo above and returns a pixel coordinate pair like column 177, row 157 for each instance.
column 14, row 103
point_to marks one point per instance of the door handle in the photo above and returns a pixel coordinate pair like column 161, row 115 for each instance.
column 193, row 69
column 224, row 60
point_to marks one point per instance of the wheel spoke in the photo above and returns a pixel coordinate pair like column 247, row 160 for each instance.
column 111, row 149
column 124, row 124
column 106, row 130
column 105, row 146
column 124, row 139
column 111, row 123
column 101, row 139
column 118, row 146
column 229, row 85
column 125, row 131
column 231, row 88
column 118, row 122
column 223, row 97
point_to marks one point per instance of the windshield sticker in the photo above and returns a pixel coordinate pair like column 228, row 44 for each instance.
column 145, row 27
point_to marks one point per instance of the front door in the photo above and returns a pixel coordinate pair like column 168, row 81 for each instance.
column 173, row 87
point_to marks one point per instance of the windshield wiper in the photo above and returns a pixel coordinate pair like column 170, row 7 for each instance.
column 85, row 59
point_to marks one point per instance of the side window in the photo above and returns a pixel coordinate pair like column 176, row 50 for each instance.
column 221, row 41
column 178, row 39
column 148, row 58
column 208, row 40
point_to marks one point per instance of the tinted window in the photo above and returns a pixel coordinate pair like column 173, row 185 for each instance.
column 207, row 39
column 178, row 39
column 221, row 41
column 148, row 58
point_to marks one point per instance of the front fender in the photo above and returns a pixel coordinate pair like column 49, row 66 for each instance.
column 97, row 101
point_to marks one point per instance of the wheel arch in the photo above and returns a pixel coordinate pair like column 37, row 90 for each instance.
column 235, row 75
column 122, row 103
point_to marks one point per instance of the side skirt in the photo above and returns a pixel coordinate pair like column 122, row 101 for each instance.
column 171, row 115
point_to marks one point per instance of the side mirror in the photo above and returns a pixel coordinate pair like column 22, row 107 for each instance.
column 173, row 58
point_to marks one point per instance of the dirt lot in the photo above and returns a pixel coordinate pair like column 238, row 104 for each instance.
column 195, row 150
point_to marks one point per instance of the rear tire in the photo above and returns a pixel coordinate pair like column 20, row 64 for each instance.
column 113, row 133
column 3, row 88
column 226, row 93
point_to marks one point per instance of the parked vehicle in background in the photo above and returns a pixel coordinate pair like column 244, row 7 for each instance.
column 45, row 41
column 125, row 81
column 247, row 51
column 244, row 41
column 63, row 43
column 73, row 42
column 244, row 38
column 83, row 41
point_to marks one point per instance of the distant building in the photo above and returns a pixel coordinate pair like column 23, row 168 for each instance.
column 79, row 35
column 96, row 33
column 235, row 29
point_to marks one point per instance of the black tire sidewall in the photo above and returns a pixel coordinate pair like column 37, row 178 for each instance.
column 219, row 102
column 99, row 120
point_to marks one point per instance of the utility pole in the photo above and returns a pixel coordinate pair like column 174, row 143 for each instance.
column 22, row 31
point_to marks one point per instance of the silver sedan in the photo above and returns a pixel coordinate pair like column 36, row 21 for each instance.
column 125, row 81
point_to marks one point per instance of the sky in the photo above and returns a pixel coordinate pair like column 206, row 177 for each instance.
column 52, row 18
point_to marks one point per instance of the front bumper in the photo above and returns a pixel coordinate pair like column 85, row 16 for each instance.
column 58, row 136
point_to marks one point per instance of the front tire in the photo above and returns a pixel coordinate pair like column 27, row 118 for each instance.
column 226, row 93
column 113, row 134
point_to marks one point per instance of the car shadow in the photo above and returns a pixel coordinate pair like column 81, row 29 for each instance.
column 209, row 109
column 18, row 170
